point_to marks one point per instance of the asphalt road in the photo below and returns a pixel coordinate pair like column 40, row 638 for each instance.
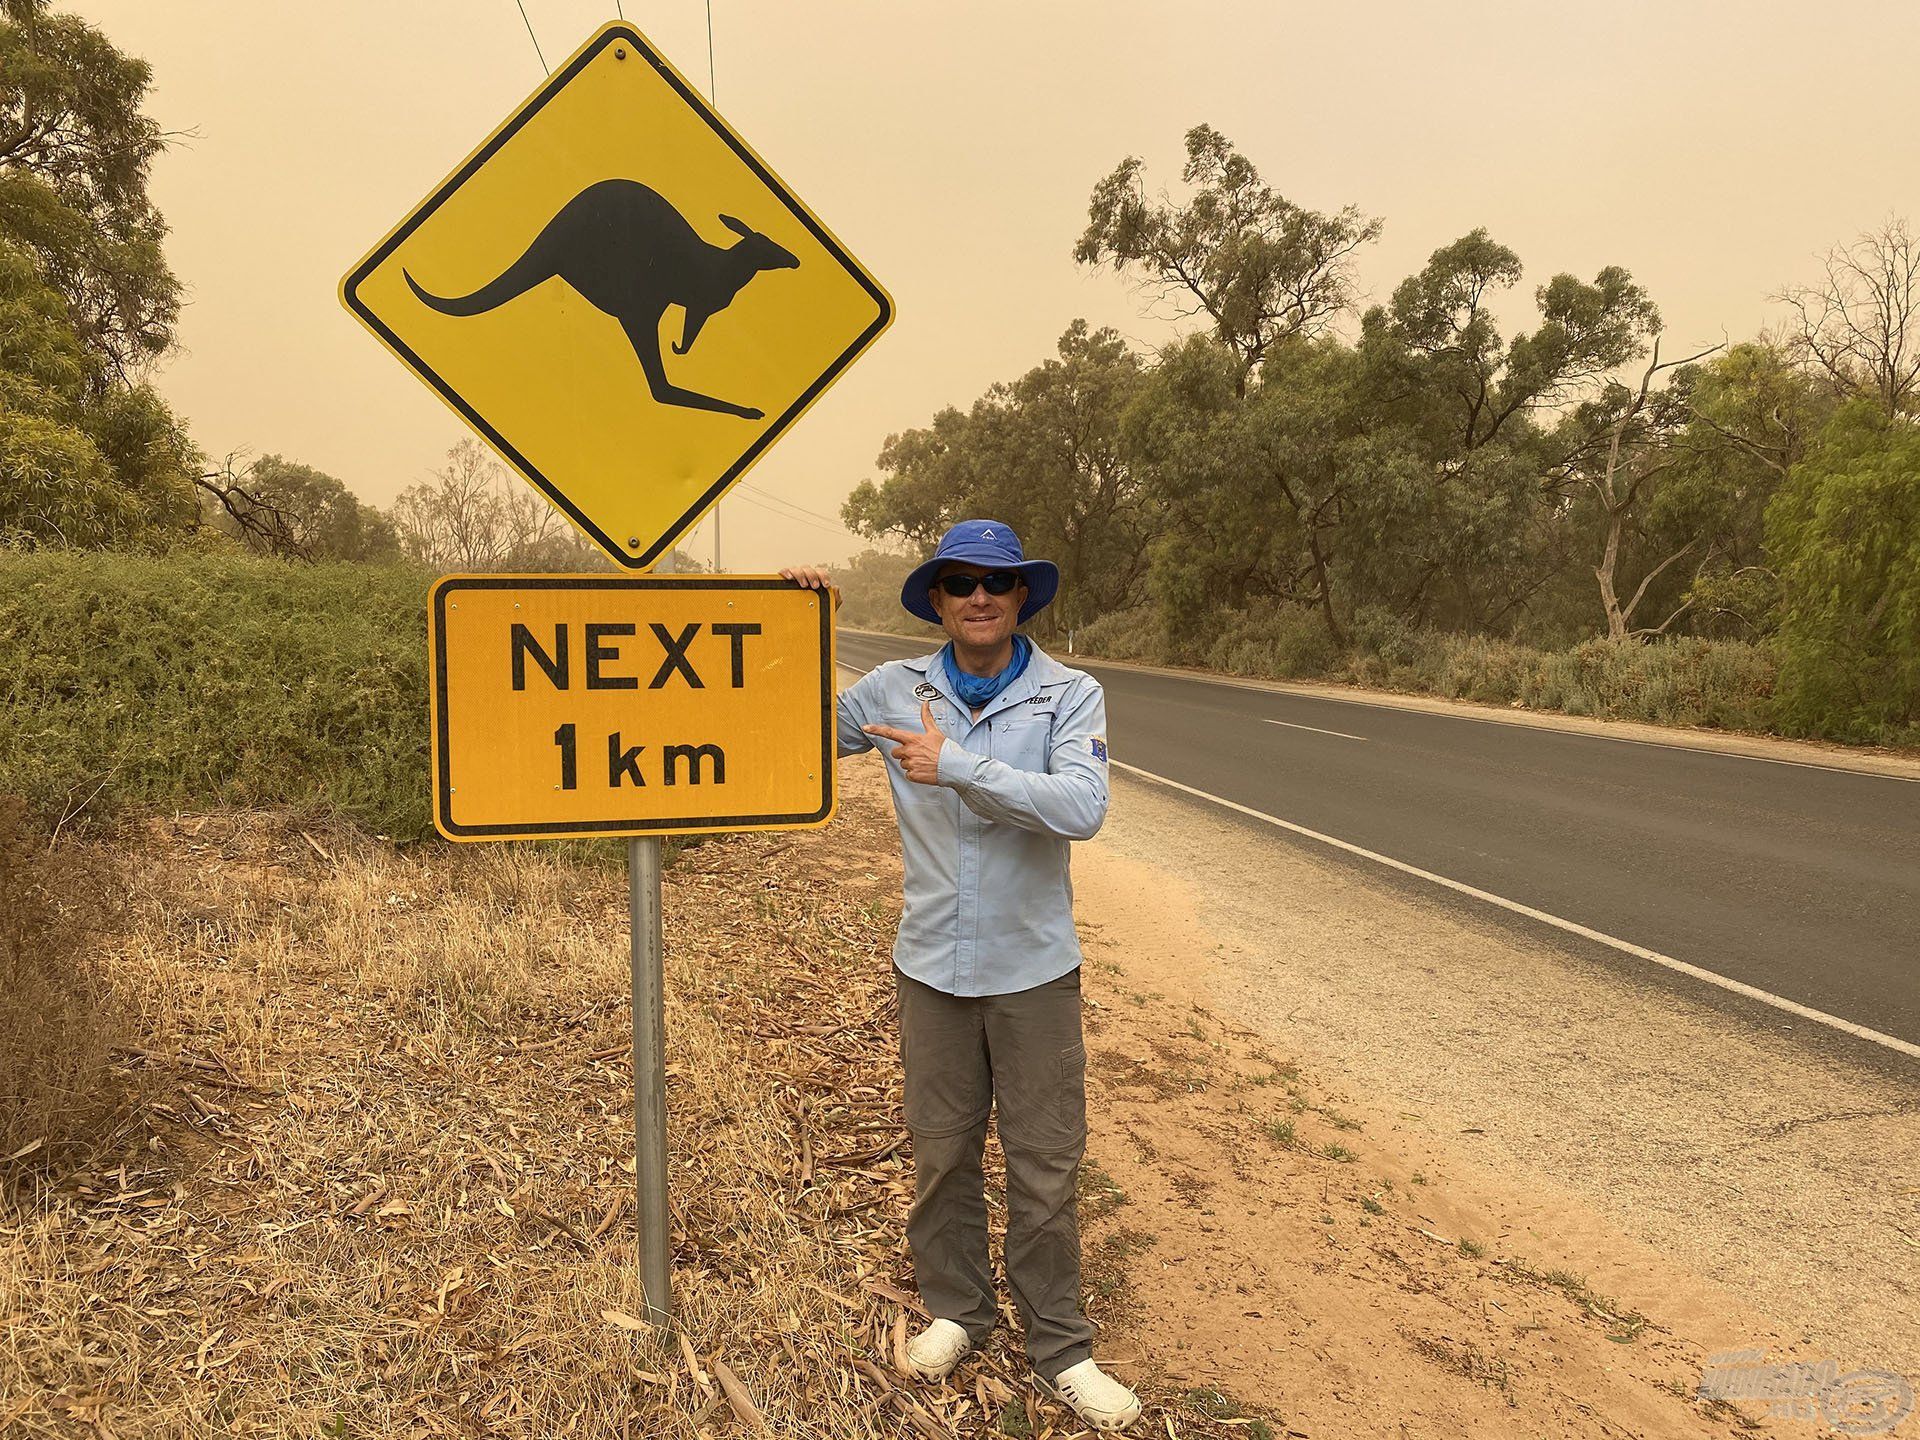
column 1801, row 881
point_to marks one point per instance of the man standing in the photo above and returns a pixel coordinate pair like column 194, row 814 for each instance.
column 997, row 760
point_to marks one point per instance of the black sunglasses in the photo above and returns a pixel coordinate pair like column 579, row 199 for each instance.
column 998, row 582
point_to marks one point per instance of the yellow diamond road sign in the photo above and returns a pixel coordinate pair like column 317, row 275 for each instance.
column 621, row 296
column 629, row 705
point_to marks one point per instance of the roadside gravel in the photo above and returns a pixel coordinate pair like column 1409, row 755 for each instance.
column 1606, row 1122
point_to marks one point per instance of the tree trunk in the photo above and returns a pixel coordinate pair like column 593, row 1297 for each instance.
column 1326, row 591
column 1609, row 597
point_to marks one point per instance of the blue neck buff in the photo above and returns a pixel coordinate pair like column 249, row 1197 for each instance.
column 976, row 690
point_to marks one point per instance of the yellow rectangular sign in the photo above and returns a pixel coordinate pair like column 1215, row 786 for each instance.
column 645, row 705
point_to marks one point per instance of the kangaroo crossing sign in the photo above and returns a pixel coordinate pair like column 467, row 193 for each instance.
column 627, row 705
column 620, row 296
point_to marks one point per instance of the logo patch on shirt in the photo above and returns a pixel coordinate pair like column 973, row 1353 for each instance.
column 1099, row 744
column 1039, row 700
column 924, row 691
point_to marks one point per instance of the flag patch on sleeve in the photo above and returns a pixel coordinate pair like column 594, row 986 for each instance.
column 1099, row 744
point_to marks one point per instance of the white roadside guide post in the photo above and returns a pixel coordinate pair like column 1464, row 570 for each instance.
column 530, row 290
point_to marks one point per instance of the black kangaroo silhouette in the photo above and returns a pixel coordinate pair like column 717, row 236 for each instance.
column 631, row 254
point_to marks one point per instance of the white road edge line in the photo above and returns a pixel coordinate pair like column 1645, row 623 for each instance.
column 1765, row 997
column 1315, row 728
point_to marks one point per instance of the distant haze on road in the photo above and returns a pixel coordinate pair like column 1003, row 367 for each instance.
column 1714, row 151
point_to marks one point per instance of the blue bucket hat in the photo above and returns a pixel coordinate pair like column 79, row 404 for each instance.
column 982, row 542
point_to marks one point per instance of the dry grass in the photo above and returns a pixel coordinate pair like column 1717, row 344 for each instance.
column 61, row 1016
column 378, row 1178
column 1463, row 1357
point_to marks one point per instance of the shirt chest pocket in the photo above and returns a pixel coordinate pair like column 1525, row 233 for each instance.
column 912, row 723
column 1022, row 737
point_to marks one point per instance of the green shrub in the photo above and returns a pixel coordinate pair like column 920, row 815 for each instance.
column 1684, row 681
column 201, row 680
column 1270, row 640
column 1845, row 531
column 1472, row 667
column 1379, row 634
column 1135, row 635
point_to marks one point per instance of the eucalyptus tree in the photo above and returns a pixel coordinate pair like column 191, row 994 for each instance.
column 1625, row 460
column 284, row 508
column 471, row 515
column 1262, row 269
column 88, row 454
column 1471, row 543
column 1753, row 413
column 82, row 463
column 75, row 155
column 1259, row 492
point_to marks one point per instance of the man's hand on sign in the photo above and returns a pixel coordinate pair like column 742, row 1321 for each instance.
column 812, row 579
column 919, row 752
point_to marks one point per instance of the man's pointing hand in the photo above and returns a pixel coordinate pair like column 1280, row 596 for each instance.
column 919, row 752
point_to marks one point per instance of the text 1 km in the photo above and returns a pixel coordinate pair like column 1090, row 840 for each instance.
column 689, row 764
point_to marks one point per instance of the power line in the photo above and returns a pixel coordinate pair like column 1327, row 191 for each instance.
column 716, row 506
column 791, row 505
column 807, row 517
column 533, row 37
column 798, row 519
column 837, row 531
column 710, row 52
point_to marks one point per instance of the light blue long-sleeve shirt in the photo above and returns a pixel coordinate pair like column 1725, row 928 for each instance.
column 988, row 897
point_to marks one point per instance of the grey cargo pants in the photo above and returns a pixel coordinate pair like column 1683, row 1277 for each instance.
column 961, row 1054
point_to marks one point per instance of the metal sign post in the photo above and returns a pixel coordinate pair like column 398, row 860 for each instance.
column 528, row 290
column 649, row 1075
column 646, row 957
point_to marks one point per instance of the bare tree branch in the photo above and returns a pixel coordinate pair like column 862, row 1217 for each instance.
column 1860, row 324
column 263, row 525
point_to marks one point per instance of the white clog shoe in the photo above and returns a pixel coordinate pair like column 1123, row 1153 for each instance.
column 934, row 1352
column 1098, row 1399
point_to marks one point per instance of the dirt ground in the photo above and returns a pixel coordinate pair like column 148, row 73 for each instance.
column 1733, row 1186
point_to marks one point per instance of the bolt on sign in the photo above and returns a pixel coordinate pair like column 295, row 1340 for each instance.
column 629, row 705
column 621, row 296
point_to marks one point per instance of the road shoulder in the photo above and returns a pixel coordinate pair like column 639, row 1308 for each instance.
column 1733, row 1187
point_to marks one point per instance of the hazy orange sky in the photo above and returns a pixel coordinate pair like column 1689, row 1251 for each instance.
column 1713, row 149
